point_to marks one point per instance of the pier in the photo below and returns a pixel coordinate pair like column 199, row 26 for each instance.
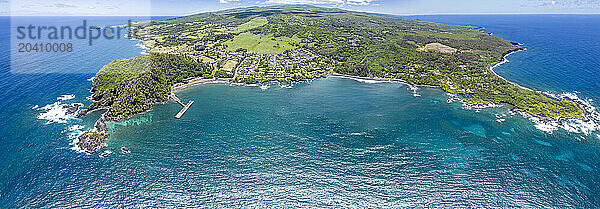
column 185, row 106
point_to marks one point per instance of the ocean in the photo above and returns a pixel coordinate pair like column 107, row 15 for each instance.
column 331, row 142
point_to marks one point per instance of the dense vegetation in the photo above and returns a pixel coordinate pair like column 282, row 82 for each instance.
column 127, row 87
column 294, row 43
column 454, row 58
column 92, row 141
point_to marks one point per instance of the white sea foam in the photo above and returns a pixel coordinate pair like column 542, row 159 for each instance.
column 54, row 113
column 75, row 127
column 469, row 106
column 105, row 153
column 143, row 47
column 570, row 125
column 549, row 128
column 75, row 136
column 478, row 107
column 57, row 112
column 66, row 97
column 586, row 127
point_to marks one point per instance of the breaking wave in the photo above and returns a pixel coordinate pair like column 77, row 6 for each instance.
column 58, row 112
column 586, row 127
column 143, row 47
column 75, row 137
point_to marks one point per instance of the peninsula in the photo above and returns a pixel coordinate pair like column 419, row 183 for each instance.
column 297, row 43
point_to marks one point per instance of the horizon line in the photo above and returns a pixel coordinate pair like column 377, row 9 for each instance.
column 311, row 5
column 179, row 15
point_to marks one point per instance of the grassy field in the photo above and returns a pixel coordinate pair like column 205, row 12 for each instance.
column 119, row 70
column 437, row 47
column 230, row 65
column 455, row 58
column 254, row 23
column 262, row 44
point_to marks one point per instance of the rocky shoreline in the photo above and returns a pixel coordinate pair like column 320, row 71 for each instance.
column 93, row 140
column 199, row 81
column 590, row 115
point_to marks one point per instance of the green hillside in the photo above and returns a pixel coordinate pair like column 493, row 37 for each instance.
column 295, row 43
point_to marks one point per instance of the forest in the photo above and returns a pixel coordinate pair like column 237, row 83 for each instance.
column 130, row 86
column 452, row 57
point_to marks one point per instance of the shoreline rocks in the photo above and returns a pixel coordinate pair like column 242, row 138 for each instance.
column 92, row 141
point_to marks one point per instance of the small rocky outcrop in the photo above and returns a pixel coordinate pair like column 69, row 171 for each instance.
column 72, row 109
column 100, row 125
column 92, row 141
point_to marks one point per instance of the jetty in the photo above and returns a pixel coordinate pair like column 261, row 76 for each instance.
column 185, row 106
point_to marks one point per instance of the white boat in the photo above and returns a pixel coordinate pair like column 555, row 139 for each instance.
column 264, row 87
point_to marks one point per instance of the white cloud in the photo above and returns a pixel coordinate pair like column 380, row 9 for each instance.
column 64, row 5
column 359, row 2
column 227, row 1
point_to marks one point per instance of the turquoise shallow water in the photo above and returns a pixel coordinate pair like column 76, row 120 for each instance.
column 329, row 143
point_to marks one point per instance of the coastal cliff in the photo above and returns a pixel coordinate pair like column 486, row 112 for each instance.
column 296, row 43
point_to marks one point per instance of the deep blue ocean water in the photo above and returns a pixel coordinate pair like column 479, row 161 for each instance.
column 329, row 143
column 562, row 50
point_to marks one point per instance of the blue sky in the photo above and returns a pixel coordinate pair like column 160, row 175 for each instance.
column 398, row 7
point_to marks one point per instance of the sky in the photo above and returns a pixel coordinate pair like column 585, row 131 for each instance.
column 396, row 7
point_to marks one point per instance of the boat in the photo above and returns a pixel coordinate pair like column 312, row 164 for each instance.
column 125, row 150
column 264, row 87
